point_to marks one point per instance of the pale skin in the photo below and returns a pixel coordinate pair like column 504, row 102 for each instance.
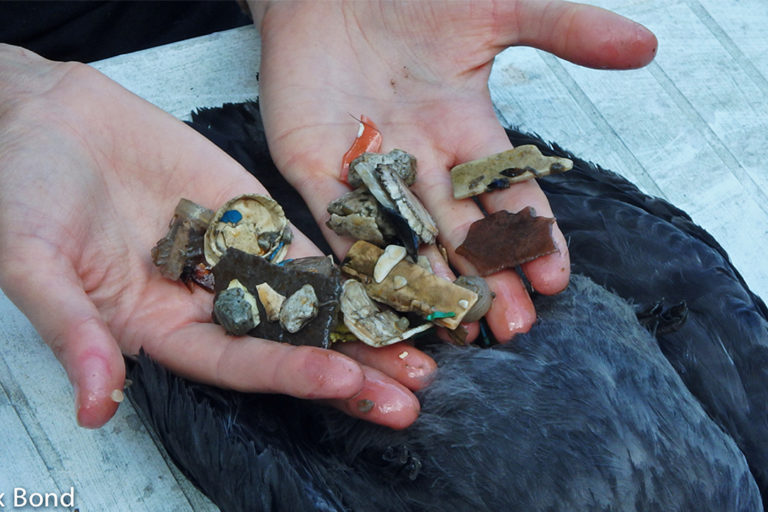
column 90, row 174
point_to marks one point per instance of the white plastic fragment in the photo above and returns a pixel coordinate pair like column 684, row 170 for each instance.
column 369, row 323
column 367, row 172
column 271, row 300
column 409, row 206
column 299, row 309
column 253, row 223
column 484, row 297
column 392, row 192
column 393, row 254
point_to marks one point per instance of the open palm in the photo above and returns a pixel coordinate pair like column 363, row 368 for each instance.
column 90, row 177
column 420, row 71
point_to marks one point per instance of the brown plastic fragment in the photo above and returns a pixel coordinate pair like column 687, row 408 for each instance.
column 505, row 240
column 501, row 170
column 201, row 275
column 181, row 249
column 323, row 265
column 458, row 335
column 252, row 270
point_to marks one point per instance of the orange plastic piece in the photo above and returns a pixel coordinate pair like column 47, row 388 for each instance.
column 368, row 140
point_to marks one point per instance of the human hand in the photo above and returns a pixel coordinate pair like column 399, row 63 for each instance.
column 420, row 71
column 89, row 177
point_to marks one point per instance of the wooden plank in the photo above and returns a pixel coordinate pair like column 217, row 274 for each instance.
column 17, row 451
column 721, row 96
column 662, row 131
column 678, row 129
column 529, row 96
column 117, row 467
column 740, row 27
column 205, row 71
column 716, row 56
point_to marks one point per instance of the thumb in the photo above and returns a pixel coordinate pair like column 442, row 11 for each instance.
column 68, row 321
column 94, row 364
column 583, row 34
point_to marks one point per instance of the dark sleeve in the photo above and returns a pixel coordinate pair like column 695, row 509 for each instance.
column 89, row 31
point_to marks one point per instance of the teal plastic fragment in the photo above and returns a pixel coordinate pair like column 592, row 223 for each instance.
column 440, row 314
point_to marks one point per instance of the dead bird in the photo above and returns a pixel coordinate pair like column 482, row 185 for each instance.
column 588, row 411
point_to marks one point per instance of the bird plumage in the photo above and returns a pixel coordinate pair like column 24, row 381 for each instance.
column 587, row 411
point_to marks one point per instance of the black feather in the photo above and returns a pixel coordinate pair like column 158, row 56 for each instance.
column 588, row 411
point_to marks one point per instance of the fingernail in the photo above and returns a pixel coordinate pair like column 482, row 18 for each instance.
column 402, row 404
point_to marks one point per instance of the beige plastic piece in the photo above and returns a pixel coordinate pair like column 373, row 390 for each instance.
column 423, row 293
column 503, row 169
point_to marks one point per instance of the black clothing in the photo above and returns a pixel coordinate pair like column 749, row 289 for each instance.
column 90, row 31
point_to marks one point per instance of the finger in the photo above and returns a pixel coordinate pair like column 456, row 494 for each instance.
column 406, row 364
column 441, row 268
column 203, row 352
column 382, row 401
column 547, row 274
column 484, row 136
column 583, row 34
column 511, row 312
column 94, row 363
column 70, row 324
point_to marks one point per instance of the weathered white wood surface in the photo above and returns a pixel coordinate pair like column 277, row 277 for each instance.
column 202, row 72
column 691, row 127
